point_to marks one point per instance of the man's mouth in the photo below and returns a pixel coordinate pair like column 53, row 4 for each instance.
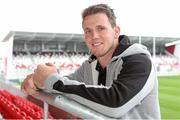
column 96, row 44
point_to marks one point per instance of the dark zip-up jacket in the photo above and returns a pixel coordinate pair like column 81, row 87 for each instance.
column 131, row 88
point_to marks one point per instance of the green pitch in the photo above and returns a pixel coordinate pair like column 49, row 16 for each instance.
column 169, row 96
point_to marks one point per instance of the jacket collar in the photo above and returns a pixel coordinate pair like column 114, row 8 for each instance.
column 124, row 43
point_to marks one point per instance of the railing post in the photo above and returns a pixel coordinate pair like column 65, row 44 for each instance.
column 45, row 110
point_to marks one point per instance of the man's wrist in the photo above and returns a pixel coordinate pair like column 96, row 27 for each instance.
column 51, row 80
column 38, row 88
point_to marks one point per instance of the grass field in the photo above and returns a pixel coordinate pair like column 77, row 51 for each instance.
column 169, row 96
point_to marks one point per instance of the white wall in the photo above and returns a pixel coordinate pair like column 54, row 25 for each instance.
column 135, row 17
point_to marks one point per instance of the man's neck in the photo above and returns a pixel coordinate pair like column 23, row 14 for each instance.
column 104, row 61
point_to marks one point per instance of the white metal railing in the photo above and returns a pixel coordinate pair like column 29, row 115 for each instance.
column 60, row 101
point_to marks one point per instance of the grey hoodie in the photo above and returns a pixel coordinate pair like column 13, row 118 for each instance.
column 131, row 89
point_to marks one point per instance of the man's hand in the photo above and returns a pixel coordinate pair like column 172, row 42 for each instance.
column 28, row 85
column 41, row 74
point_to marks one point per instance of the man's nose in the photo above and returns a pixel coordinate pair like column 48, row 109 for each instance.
column 95, row 34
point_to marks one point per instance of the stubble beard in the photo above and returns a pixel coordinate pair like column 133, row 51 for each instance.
column 100, row 54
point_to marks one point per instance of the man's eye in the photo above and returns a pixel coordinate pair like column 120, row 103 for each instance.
column 100, row 28
column 87, row 32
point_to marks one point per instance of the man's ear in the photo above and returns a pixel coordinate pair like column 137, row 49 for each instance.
column 117, row 31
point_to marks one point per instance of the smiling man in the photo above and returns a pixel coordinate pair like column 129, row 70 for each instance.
column 118, row 80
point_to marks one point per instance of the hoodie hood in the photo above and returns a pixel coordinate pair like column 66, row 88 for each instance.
column 134, row 49
column 125, row 48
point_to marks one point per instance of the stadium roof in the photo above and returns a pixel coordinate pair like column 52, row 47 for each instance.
column 37, row 36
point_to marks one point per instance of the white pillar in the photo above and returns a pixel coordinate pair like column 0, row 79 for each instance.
column 139, row 39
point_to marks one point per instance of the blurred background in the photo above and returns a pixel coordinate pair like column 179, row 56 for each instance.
column 39, row 31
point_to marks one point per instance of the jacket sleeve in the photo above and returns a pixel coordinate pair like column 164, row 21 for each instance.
column 133, row 84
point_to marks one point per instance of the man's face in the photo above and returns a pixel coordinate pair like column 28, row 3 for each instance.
column 101, row 38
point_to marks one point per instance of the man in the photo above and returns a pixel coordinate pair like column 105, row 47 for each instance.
column 118, row 79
